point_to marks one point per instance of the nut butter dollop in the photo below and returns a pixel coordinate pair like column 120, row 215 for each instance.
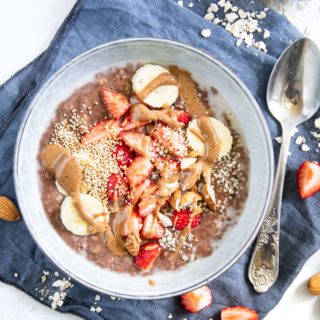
column 68, row 173
column 163, row 79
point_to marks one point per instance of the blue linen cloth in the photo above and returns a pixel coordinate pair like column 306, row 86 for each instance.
column 91, row 23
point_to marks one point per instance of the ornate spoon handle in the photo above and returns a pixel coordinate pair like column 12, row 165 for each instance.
column 264, row 265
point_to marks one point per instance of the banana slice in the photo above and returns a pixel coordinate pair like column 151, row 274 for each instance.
column 222, row 132
column 60, row 189
column 193, row 136
column 71, row 218
column 164, row 95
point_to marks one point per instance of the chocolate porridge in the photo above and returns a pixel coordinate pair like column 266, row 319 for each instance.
column 138, row 174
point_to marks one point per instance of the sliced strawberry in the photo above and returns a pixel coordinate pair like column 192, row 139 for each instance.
column 117, row 186
column 133, row 224
column 183, row 116
column 129, row 124
column 146, row 206
column 148, row 253
column 166, row 166
column 173, row 140
column 308, row 179
column 239, row 313
column 137, row 192
column 138, row 171
column 139, row 142
column 116, row 103
column 197, row 300
column 123, row 154
column 181, row 219
column 104, row 128
column 152, row 228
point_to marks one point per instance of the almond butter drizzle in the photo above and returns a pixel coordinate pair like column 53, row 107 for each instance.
column 211, row 143
column 189, row 94
column 139, row 112
column 68, row 172
column 163, row 79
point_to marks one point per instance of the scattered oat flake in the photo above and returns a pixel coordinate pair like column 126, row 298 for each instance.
column 113, row 298
column 180, row 3
column 97, row 298
column 190, row 5
column 317, row 123
column 206, row 33
column 170, row 316
column 16, row 275
column 98, row 309
column 300, row 140
column 305, row 147
column 278, row 139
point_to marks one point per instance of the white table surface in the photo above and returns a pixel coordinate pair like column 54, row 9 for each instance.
column 26, row 29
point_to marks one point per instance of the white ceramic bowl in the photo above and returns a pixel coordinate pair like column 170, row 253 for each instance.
column 233, row 97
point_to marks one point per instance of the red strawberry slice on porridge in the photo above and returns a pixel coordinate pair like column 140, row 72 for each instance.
column 117, row 104
column 139, row 142
column 105, row 128
column 183, row 116
column 197, row 300
column 138, row 171
column 129, row 124
column 148, row 253
column 117, row 186
column 133, row 224
column 181, row 219
column 308, row 179
column 239, row 313
column 173, row 140
column 123, row 154
column 152, row 228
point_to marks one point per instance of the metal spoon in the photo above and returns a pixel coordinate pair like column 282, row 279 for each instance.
column 293, row 96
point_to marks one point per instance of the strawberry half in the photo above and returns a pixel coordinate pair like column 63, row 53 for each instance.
column 197, row 300
column 139, row 142
column 148, row 253
column 116, row 103
column 308, row 179
column 152, row 228
column 133, row 224
column 123, row 154
column 166, row 166
column 238, row 313
column 129, row 124
column 183, row 116
column 137, row 192
column 181, row 219
column 173, row 140
column 146, row 206
column 117, row 186
column 138, row 171
column 104, row 128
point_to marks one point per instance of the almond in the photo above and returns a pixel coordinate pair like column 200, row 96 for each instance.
column 8, row 210
column 314, row 284
column 209, row 196
column 132, row 244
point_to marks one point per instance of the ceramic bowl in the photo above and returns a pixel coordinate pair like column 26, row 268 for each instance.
column 233, row 98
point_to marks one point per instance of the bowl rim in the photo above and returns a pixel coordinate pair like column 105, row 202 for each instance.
column 256, row 108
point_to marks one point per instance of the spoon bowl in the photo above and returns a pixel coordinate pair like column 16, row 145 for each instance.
column 293, row 92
